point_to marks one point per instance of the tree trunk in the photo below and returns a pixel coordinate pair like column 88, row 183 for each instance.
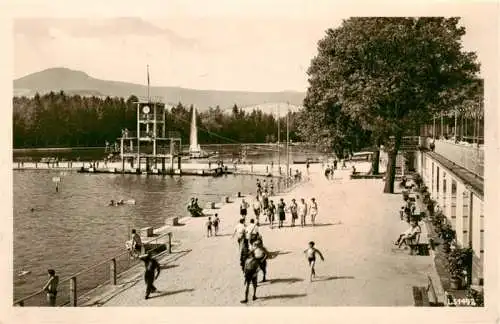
column 376, row 161
column 391, row 165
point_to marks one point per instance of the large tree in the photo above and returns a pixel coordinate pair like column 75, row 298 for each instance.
column 391, row 75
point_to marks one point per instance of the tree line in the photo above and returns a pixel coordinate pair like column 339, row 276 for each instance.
column 58, row 120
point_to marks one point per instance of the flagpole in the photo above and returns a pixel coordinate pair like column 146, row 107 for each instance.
column 279, row 157
column 147, row 67
column 287, row 139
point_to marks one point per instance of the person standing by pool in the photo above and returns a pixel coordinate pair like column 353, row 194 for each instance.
column 243, row 208
column 302, row 209
column 256, row 208
column 208, row 226
column 265, row 202
column 51, row 287
column 271, row 210
column 314, row 210
column 293, row 211
column 216, row 223
column 281, row 213
column 136, row 243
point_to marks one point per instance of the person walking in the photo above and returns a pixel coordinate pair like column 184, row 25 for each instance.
column 250, row 271
column 302, row 209
column 256, row 208
column 51, row 287
column 311, row 252
column 281, row 213
column 314, row 210
column 260, row 253
column 252, row 232
column 151, row 266
column 239, row 231
column 271, row 210
column 216, row 223
column 208, row 226
column 243, row 208
column 265, row 202
column 293, row 211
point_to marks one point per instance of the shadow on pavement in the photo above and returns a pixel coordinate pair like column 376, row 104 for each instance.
column 168, row 266
column 222, row 235
column 274, row 254
column 168, row 293
column 284, row 296
column 333, row 278
column 287, row 280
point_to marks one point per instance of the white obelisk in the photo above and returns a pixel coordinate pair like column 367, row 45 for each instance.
column 194, row 148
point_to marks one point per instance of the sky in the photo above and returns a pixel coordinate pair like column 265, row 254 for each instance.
column 252, row 46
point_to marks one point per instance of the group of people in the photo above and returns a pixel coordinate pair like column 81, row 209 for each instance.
column 407, row 213
column 212, row 225
column 331, row 168
column 194, row 208
column 263, row 205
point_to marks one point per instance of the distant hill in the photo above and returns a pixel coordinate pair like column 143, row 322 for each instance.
column 77, row 82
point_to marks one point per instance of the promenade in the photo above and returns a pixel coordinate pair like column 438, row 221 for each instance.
column 357, row 225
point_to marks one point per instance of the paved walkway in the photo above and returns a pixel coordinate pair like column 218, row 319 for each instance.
column 362, row 266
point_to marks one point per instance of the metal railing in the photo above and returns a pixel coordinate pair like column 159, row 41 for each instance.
column 470, row 157
column 80, row 284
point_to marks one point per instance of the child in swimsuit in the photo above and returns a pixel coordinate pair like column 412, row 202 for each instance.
column 209, row 226
column 314, row 210
column 215, row 223
column 311, row 258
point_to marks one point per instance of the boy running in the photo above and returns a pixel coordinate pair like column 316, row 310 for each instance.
column 311, row 258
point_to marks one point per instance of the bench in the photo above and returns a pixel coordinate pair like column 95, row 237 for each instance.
column 420, row 244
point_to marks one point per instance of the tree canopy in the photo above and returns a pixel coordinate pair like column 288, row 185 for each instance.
column 389, row 76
